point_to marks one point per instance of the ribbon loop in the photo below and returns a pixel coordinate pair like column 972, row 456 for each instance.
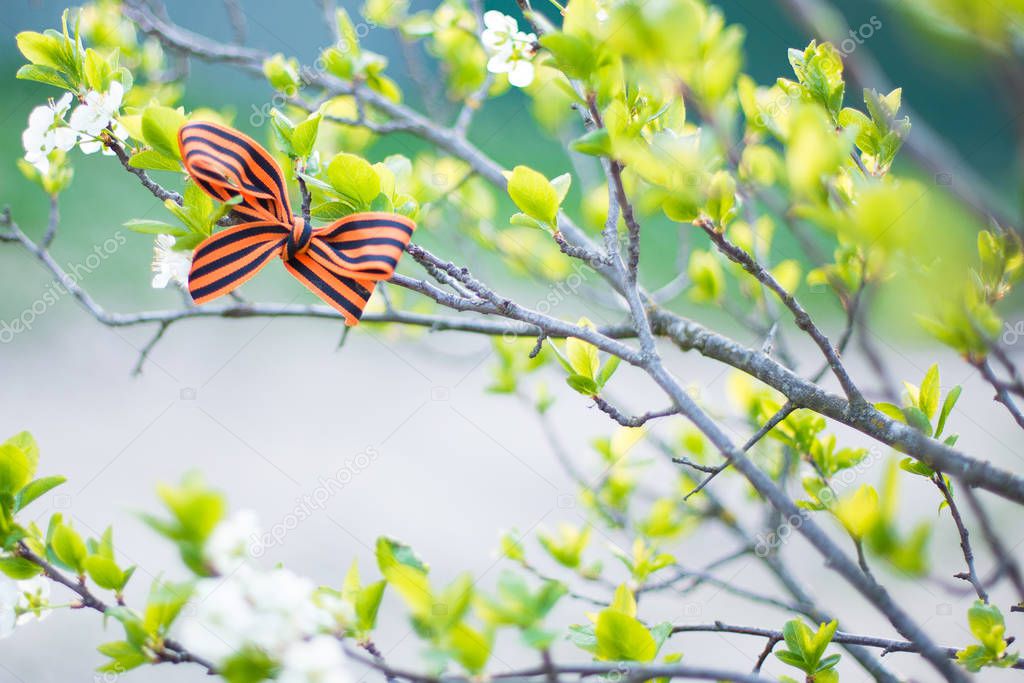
column 340, row 263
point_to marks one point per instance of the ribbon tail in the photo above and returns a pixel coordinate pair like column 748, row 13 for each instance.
column 346, row 295
column 225, row 261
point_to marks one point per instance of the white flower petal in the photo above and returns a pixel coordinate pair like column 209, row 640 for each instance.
column 521, row 74
column 114, row 96
column 64, row 138
column 499, row 64
column 90, row 146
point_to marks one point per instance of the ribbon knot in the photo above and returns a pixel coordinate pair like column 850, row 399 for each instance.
column 340, row 263
column 299, row 238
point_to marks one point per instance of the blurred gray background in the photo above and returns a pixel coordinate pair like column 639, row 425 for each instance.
column 267, row 409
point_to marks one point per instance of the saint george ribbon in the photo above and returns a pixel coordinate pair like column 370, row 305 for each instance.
column 340, row 262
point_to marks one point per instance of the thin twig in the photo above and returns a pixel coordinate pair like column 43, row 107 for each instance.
column 1002, row 393
column 840, row 637
column 965, row 542
column 631, row 420
column 768, row 426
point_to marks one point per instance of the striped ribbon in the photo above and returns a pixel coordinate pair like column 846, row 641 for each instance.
column 340, row 262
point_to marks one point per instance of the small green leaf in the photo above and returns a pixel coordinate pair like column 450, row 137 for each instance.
column 918, row 420
column 40, row 49
column 533, row 194
column 18, row 568
column 304, row 135
column 621, row 637
column 928, row 395
column 160, row 127
column 573, row 56
column 472, row 649
column 355, row 178
column 583, row 385
column 594, row 143
column 15, row 468
column 368, row 603
column 104, row 572
column 153, row 160
column 36, row 488
column 607, row 370
column 947, row 407
column 69, row 548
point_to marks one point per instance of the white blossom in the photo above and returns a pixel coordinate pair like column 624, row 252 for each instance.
column 46, row 132
column 34, row 599
column 318, row 660
column 22, row 602
column 229, row 545
column 500, row 32
column 96, row 113
column 97, row 110
column 511, row 50
column 250, row 608
column 169, row 264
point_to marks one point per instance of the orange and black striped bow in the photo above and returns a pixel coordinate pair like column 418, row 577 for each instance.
column 340, row 262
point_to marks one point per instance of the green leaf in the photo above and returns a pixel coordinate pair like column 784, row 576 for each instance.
column 721, row 198
column 533, row 194
column 583, row 637
column 858, row 512
column 104, row 572
column 355, row 178
column 521, row 219
column 607, row 370
column 45, row 74
column 621, row 637
column 595, row 143
column 368, row 603
column 986, row 623
column 916, row 467
column 15, row 468
column 573, row 56
column 928, row 395
column 583, row 385
column 332, row 211
column 124, row 657
column 40, row 49
column 98, row 70
column 582, row 355
column 18, row 568
column 153, row 160
column 165, row 602
column 146, row 226
column 947, row 407
column 27, row 443
column 36, row 488
column 918, row 420
column 304, row 135
column 471, row 648
column 160, row 127
column 791, row 658
column 281, row 73
column 891, row 410
column 69, row 547
column 623, row 601
column 561, row 184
